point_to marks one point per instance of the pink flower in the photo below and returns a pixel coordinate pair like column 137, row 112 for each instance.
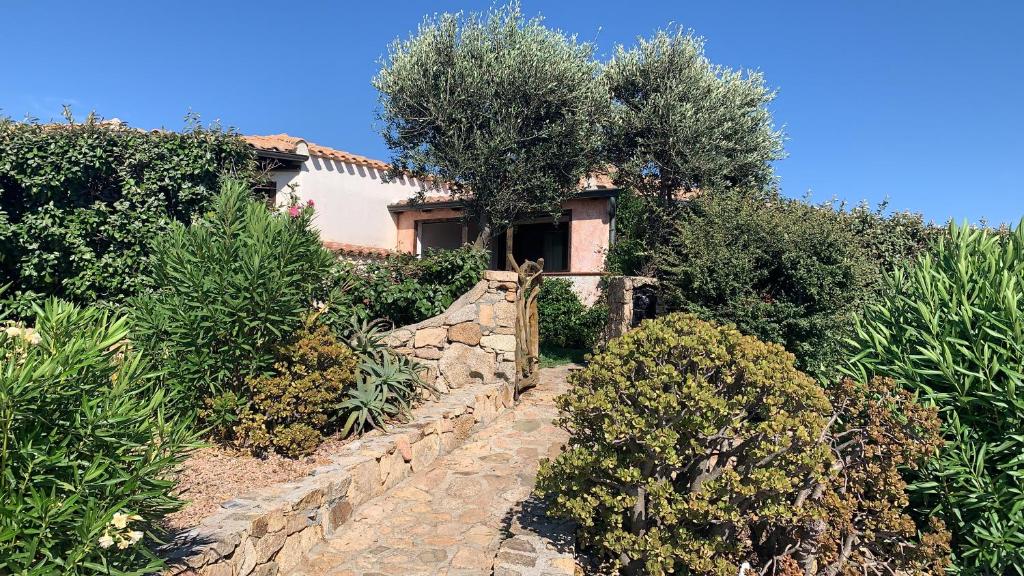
column 293, row 211
column 309, row 203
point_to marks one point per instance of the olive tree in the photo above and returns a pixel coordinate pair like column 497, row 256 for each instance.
column 505, row 111
column 680, row 123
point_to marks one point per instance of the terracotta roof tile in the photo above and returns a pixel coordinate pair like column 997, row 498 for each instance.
column 357, row 250
column 291, row 145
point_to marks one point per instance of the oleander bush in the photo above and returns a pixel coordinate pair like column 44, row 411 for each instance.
column 403, row 289
column 292, row 410
column 230, row 291
column 694, row 449
column 950, row 329
column 565, row 322
column 83, row 203
column 87, row 447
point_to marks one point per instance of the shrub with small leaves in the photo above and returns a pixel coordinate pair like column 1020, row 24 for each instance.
column 694, row 449
column 565, row 322
column 291, row 410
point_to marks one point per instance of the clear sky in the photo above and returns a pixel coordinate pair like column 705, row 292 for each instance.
column 918, row 102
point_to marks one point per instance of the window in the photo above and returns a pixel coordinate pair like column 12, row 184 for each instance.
column 267, row 190
column 439, row 235
column 536, row 240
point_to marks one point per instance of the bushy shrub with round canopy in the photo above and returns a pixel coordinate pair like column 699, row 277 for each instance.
column 695, row 449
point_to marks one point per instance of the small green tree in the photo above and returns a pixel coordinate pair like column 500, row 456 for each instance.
column 505, row 110
column 680, row 124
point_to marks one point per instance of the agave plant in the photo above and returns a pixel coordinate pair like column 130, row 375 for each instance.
column 366, row 406
column 366, row 338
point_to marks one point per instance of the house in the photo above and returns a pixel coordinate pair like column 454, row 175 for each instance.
column 361, row 215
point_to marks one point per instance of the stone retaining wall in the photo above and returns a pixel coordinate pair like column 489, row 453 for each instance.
column 473, row 342
column 468, row 353
column 269, row 532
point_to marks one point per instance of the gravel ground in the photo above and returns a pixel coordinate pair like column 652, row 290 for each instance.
column 214, row 475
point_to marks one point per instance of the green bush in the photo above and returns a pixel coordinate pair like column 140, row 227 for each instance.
column 694, row 449
column 564, row 321
column 951, row 330
column 83, row 203
column 781, row 270
column 87, row 450
column 404, row 289
column 291, row 410
column 231, row 289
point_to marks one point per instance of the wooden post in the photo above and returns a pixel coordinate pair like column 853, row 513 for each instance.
column 527, row 320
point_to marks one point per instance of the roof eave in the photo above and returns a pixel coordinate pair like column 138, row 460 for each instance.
column 459, row 204
column 278, row 155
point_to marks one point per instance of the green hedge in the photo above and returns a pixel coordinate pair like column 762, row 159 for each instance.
column 80, row 204
column 403, row 289
column 565, row 322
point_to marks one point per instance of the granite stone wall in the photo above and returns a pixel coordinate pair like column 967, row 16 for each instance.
column 473, row 342
column 468, row 354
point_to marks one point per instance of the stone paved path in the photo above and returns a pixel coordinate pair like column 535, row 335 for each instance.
column 451, row 518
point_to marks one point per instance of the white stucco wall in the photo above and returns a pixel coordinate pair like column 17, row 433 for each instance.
column 351, row 201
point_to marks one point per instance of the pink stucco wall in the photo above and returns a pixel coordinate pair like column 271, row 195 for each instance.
column 589, row 234
column 407, row 225
column 589, row 231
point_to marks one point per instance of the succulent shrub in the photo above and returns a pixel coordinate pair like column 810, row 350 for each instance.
column 291, row 410
column 87, row 447
column 388, row 383
column 694, row 449
column 950, row 329
column 84, row 202
column 229, row 290
column 564, row 321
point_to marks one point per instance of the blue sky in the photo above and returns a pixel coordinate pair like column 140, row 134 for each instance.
column 915, row 102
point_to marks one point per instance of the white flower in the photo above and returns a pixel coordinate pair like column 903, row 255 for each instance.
column 134, row 536
column 120, row 520
column 106, row 541
column 12, row 331
column 123, row 543
column 32, row 336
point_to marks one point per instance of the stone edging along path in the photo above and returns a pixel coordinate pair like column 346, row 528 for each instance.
column 470, row 513
column 267, row 533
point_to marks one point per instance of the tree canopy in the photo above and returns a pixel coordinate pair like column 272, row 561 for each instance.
column 505, row 110
column 681, row 123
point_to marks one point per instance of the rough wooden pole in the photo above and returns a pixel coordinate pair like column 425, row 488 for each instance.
column 527, row 321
